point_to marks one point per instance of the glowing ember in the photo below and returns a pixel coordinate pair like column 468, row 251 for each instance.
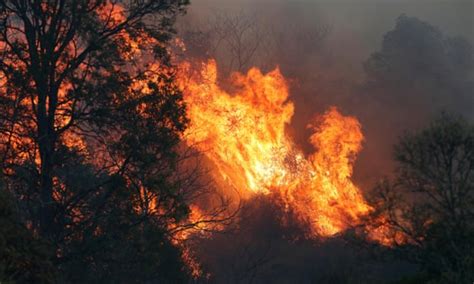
column 243, row 134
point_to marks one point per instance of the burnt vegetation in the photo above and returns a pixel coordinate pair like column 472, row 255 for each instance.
column 98, row 185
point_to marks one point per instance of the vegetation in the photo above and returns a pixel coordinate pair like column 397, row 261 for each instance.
column 89, row 130
column 23, row 257
column 430, row 201
column 418, row 64
column 91, row 121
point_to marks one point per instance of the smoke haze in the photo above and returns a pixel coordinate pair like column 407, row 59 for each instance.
column 391, row 64
column 331, row 70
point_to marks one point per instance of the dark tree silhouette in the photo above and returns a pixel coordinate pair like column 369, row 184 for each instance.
column 418, row 64
column 418, row 71
column 90, row 122
column 23, row 258
column 430, row 202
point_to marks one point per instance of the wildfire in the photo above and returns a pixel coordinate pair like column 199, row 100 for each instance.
column 243, row 133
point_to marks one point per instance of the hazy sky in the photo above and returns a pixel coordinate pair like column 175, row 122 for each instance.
column 365, row 20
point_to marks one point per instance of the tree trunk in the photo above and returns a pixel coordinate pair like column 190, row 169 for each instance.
column 46, row 149
column 46, row 145
column 46, row 187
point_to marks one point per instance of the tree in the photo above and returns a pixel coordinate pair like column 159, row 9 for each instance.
column 89, row 128
column 236, row 40
column 242, row 40
column 430, row 202
column 417, row 64
column 418, row 71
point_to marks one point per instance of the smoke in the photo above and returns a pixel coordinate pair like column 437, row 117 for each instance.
column 321, row 47
column 393, row 72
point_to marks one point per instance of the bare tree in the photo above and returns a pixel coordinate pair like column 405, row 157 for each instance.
column 241, row 40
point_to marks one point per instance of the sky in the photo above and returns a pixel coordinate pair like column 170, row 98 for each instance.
column 366, row 20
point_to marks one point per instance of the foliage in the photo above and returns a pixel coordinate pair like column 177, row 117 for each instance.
column 89, row 128
column 417, row 64
column 23, row 258
column 431, row 199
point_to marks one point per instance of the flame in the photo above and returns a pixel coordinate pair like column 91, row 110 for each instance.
column 243, row 133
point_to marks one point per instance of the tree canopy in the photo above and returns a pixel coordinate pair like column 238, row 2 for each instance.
column 430, row 201
column 90, row 122
column 418, row 64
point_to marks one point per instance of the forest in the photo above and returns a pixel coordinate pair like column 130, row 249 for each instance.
column 169, row 141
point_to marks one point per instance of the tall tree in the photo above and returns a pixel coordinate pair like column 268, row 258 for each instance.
column 418, row 64
column 417, row 71
column 90, row 123
column 430, row 202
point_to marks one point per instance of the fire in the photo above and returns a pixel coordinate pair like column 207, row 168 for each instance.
column 243, row 133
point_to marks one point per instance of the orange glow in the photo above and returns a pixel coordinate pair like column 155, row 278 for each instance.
column 243, row 133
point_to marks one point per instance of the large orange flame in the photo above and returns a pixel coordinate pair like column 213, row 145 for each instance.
column 243, row 133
